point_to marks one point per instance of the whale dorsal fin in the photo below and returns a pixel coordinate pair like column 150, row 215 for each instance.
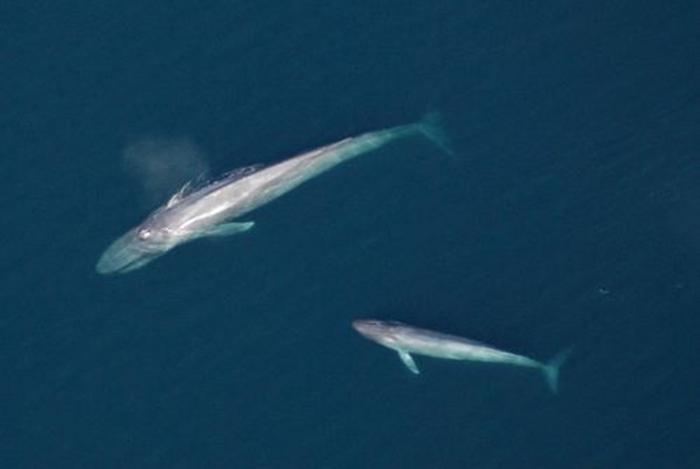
column 407, row 360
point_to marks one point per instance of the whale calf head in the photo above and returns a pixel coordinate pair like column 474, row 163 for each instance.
column 383, row 332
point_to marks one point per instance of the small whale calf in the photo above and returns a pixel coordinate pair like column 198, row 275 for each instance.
column 407, row 340
column 210, row 210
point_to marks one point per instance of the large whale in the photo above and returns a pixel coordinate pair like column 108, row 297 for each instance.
column 210, row 211
column 407, row 340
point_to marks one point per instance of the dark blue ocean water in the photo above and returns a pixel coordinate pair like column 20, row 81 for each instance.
column 569, row 216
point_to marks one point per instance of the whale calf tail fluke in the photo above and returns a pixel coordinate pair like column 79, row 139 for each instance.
column 551, row 369
column 431, row 126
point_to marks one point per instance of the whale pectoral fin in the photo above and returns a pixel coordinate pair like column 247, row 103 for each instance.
column 407, row 360
column 226, row 229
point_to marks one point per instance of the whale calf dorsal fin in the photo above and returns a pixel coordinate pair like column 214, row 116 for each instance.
column 407, row 360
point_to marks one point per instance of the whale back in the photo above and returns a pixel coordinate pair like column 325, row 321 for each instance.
column 202, row 186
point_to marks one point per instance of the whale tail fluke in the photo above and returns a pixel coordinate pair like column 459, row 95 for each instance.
column 551, row 369
column 431, row 127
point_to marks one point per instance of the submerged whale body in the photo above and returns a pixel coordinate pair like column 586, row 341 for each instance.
column 407, row 340
column 210, row 211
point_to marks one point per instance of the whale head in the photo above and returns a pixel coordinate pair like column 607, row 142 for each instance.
column 378, row 331
column 136, row 248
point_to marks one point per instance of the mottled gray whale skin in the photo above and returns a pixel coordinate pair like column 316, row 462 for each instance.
column 209, row 211
column 407, row 340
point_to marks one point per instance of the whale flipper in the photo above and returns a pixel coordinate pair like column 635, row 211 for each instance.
column 407, row 360
column 226, row 229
